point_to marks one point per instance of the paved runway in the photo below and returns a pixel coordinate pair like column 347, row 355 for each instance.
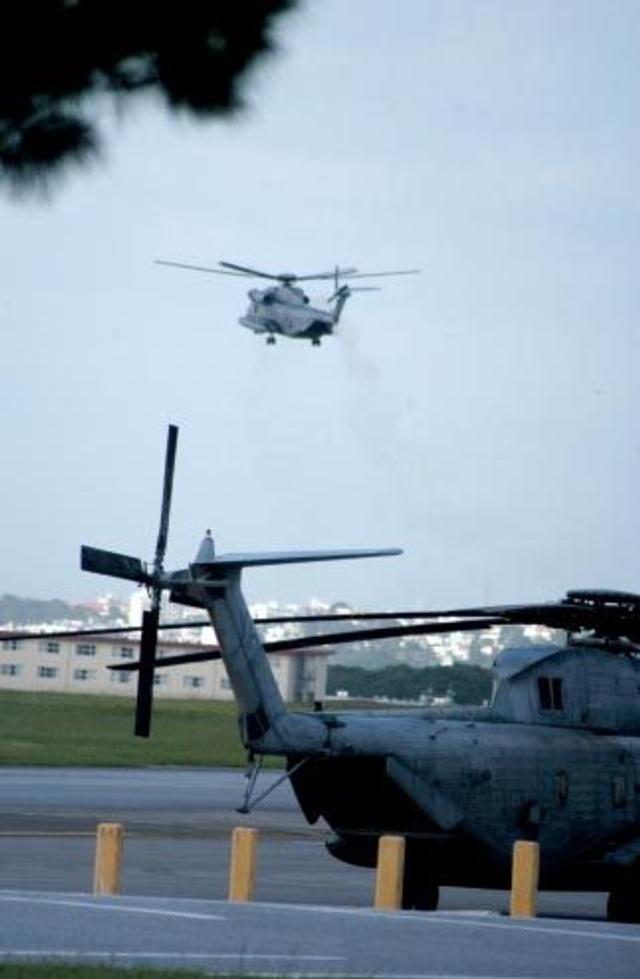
column 177, row 825
column 282, row 940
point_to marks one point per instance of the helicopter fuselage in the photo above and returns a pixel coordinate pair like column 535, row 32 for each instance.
column 285, row 310
column 555, row 758
column 461, row 792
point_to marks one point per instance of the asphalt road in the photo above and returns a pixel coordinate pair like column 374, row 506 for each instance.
column 177, row 825
column 281, row 940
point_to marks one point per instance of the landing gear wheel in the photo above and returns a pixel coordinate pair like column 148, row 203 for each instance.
column 271, row 339
column 418, row 892
column 315, row 342
column 624, row 906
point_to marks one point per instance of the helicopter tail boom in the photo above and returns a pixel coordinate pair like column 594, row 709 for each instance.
column 265, row 724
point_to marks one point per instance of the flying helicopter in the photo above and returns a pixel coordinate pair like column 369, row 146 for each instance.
column 555, row 757
column 285, row 309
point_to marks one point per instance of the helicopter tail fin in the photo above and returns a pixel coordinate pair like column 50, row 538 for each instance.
column 265, row 724
column 341, row 295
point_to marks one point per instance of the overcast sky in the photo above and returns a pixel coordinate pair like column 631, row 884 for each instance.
column 484, row 416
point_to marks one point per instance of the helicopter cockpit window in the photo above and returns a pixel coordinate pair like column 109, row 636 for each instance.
column 550, row 693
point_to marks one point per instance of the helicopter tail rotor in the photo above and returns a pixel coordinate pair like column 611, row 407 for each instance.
column 343, row 292
column 151, row 618
column 133, row 569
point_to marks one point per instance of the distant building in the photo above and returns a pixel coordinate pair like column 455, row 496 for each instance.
column 81, row 665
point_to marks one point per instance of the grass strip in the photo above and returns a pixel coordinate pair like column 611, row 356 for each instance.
column 92, row 730
column 43, row 970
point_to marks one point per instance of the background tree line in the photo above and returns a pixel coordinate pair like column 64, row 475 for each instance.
column 465, row 683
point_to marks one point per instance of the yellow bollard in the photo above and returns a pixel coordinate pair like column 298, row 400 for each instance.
column 525, row 871
column 242, row 876
column 390, row 872
column 106, row 873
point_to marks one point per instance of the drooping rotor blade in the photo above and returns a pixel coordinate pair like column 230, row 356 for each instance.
column 202, row 623
column 179, row 659
column 385, row 632
column 144, row 699
column 196, row 268
column 379, row 275
column 329, row 639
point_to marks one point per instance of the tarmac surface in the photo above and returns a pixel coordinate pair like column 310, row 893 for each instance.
column 175, row 869
column 177, row 830
column 284, row 940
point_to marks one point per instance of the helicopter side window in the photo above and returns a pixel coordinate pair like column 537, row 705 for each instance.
column 550, row 693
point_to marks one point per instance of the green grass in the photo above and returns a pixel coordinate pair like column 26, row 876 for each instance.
column 44, row 971
column 83, row 729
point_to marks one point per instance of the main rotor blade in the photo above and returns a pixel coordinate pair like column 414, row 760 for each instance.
column 197, row 268
column 247, row 271
column 326, row 275
column 378, row 275
column 286, row 277
column 385, row 632
column 167, row 490
column 328, row 639
column 144, row 701
column 202, row 623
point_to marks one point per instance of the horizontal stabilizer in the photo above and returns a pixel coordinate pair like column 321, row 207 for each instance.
column 112, row 564
column 295, row 557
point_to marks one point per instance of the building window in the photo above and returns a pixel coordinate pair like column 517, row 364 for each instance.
column 124, row 652
column 47, row 672
column 120, row 676
column 159, row 680
column 550, row 693
column 193, row 681
column 11, row 644
column 85, row 649
column 49, row 646
column 224, row 683
column 84, row 674
column 10, row 669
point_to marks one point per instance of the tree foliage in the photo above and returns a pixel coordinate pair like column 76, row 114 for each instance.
column 466, row 684
column 58, row 57
column 27, row 611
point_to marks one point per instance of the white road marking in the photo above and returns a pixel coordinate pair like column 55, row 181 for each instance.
column 66, row 953
column 470, row 919
column 97, row 906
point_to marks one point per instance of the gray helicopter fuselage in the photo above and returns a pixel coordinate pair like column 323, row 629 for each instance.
column 285, row 310
column 555, row 758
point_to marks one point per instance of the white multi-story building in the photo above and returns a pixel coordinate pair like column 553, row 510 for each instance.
column 81, row 665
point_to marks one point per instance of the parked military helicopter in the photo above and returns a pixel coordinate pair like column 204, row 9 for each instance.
column 555, row 757
column 284, row 310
